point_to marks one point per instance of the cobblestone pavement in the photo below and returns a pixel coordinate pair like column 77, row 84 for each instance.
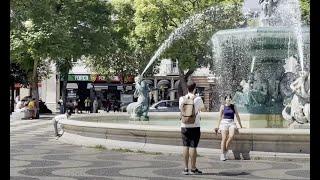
column 36, row 154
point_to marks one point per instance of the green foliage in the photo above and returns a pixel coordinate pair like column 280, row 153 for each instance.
column 305, row 11
column 155, row 20
column 121, row 59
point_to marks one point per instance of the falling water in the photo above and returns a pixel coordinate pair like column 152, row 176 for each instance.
column 290, row 15
column 252, row 64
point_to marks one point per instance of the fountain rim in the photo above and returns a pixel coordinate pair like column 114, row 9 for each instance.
column 261, row 30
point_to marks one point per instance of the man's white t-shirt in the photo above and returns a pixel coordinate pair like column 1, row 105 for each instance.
column 198, row 103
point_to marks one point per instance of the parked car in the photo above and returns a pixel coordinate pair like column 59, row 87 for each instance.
column 165, row 106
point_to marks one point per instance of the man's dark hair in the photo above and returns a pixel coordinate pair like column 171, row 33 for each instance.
column 191, row 85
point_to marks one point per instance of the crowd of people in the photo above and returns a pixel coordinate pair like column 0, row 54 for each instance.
column 89, row 106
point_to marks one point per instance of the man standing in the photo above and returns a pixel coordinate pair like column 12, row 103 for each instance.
column 190, row 106
column 56, row 120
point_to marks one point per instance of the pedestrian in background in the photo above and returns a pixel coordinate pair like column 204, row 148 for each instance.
column 87, row 104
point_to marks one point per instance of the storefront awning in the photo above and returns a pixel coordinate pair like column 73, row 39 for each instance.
column 100, row 86
column 164, row 83
column 72, row 86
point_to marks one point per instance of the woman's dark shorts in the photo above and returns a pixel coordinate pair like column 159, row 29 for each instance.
column 190, row 136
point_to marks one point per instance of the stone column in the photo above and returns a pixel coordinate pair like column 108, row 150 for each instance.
column 155, row 94
column 206, row 98
column 49, row 90
column 172, row 92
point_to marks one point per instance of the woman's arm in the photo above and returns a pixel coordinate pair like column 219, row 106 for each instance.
column 238, row 117
column 220, row 115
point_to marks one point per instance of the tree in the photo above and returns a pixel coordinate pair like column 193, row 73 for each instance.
column 61, row 31
column 155, row 20
column 121, row 59
column 80, row 29
column 17, row 75
column 305, row 11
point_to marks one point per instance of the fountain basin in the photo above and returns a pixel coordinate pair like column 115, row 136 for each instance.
column 249, row 139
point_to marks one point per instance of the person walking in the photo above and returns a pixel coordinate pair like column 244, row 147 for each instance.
column 95, row 105
column 190, row 106
column 87, row 105
column 227, row 125
column 61, row 106
column 76, row 106
column 56, row 120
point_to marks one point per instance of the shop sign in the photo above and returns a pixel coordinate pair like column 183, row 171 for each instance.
column 78, row 77
column 119, row 87
column 128, row 88
column 126, row 98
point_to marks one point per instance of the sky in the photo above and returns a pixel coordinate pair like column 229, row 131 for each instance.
column 251, row 4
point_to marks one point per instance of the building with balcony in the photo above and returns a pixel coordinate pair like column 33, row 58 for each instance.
column 164, row 84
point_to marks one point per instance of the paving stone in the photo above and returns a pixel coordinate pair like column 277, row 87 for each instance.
column 35, row 154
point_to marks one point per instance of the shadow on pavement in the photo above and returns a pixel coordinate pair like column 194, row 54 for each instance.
column 225, row 174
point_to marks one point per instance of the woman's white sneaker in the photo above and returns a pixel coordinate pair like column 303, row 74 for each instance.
column 222, row 157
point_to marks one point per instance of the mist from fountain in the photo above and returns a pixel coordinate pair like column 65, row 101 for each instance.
column 290, row 15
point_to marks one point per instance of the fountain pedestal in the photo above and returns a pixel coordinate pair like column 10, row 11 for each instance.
column 262, row 121
column 296, row 125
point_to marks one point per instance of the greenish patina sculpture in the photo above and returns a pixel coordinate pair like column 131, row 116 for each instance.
column 139, row 110
column 297, row 104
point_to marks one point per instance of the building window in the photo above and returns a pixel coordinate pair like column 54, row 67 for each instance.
column 174, row 64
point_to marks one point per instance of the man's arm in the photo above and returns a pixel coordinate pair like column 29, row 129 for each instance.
column 202, row 107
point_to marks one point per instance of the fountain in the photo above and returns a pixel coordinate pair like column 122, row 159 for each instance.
column 139, row 110
column 259, row 59
column 260, row 91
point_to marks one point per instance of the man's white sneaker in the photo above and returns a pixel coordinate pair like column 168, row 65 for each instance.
column 222, row 158
column 225, row 155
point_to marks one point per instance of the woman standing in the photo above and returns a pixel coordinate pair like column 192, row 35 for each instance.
column 227, row 126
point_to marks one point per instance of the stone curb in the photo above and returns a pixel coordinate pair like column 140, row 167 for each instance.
column 74, row 139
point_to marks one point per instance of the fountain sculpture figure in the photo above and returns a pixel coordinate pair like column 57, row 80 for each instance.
column 297, row 105
column 268, row 7
column 140, row 109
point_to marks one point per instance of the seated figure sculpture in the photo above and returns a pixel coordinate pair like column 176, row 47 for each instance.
column 254, row 92
column 241, row 97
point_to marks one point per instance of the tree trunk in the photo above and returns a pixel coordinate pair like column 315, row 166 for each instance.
column 35, row 91
column 182, row 87
column 12, row 97
column 64, row 90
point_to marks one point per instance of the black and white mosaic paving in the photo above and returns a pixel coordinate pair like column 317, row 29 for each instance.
column 36, row 154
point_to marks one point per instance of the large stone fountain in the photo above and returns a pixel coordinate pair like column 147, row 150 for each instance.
column 255, row 65
column 263, row 66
